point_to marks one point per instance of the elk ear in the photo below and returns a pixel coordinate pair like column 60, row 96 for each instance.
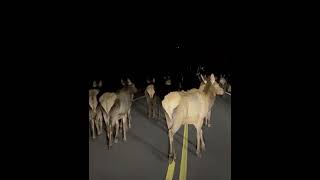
column 212, row 79
column 205, row 81
column 148, row 81
column 153, row 80
column 122, row 82
column 129, row 82
column 94, row 84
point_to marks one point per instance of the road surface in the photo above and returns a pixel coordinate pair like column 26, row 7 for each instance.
column 145, row 154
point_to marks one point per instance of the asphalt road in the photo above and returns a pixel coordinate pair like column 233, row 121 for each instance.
column 145, row 154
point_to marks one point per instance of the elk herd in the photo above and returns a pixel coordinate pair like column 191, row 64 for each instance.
column 111, row 111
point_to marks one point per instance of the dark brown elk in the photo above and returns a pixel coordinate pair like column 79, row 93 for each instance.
column 121, row 110
column 229, row 88
column 152, row 100
column 219, row 91
column 223, row 83
column 188, row 107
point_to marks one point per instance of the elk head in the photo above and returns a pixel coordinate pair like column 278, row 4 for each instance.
column 222, row 80
column 213, row 87
column 122, row 82
column 94, row 84
column 100, row 84
column 132, row 86
column 149, row 82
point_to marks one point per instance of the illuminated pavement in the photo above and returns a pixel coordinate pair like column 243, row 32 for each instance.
column 145, row 154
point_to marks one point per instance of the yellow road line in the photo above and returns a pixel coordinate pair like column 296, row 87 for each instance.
column 170, row 170
column 184, row 158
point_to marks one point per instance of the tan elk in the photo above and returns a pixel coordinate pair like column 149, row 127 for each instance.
column 121, row 110
column 152, row 99
column 188, row 107
column 219, row 91
column 93, row 103
column 106, row 101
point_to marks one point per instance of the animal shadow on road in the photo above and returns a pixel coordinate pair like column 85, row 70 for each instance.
column 160, row 155
column 161, row 124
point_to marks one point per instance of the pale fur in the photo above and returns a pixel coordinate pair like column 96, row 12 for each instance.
column 121, row 110
column 218, row 91
column 188, row 107
column 150, row 90
column 107, row 100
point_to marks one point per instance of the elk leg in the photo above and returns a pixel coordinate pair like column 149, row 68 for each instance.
column 209, row 118
column 198, row 142
column 121, row 125
column 154, row 110
column 117, row 130
column 98, row 122
column 124, row 121
column 159, row 109
column 100, row 125
column 106, row 118
column 97, row 125
column 170, row 134
column 172, row 131
column 92, row 129
column 205, row 120
column 203, row 147
column 111, row 127
column 106, row 121
column 129, row 117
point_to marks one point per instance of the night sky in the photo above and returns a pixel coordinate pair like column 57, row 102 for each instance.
column 129, row 57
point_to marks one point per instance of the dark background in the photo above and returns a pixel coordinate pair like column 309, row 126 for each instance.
column 45, row 121
column 139, row 57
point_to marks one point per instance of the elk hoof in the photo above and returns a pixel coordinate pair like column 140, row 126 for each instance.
column 199, row 154
column 93, row 137
column 116, row 141
column 129, row 125
column 171, row 158
column 203, row 148
column 209, row 125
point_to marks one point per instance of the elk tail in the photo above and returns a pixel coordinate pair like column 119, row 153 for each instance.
column 170, row 102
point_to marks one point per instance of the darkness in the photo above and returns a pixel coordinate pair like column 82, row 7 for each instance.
column 155, row 57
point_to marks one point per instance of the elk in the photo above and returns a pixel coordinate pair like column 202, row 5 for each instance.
column 93, row 103
column 188, row 107
column 151, row 98
column 94, row 84
column 106, row 101
column 223, row 83
column 219, row 91
column 229, row 88
column 121, row 110
column 100, row 84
